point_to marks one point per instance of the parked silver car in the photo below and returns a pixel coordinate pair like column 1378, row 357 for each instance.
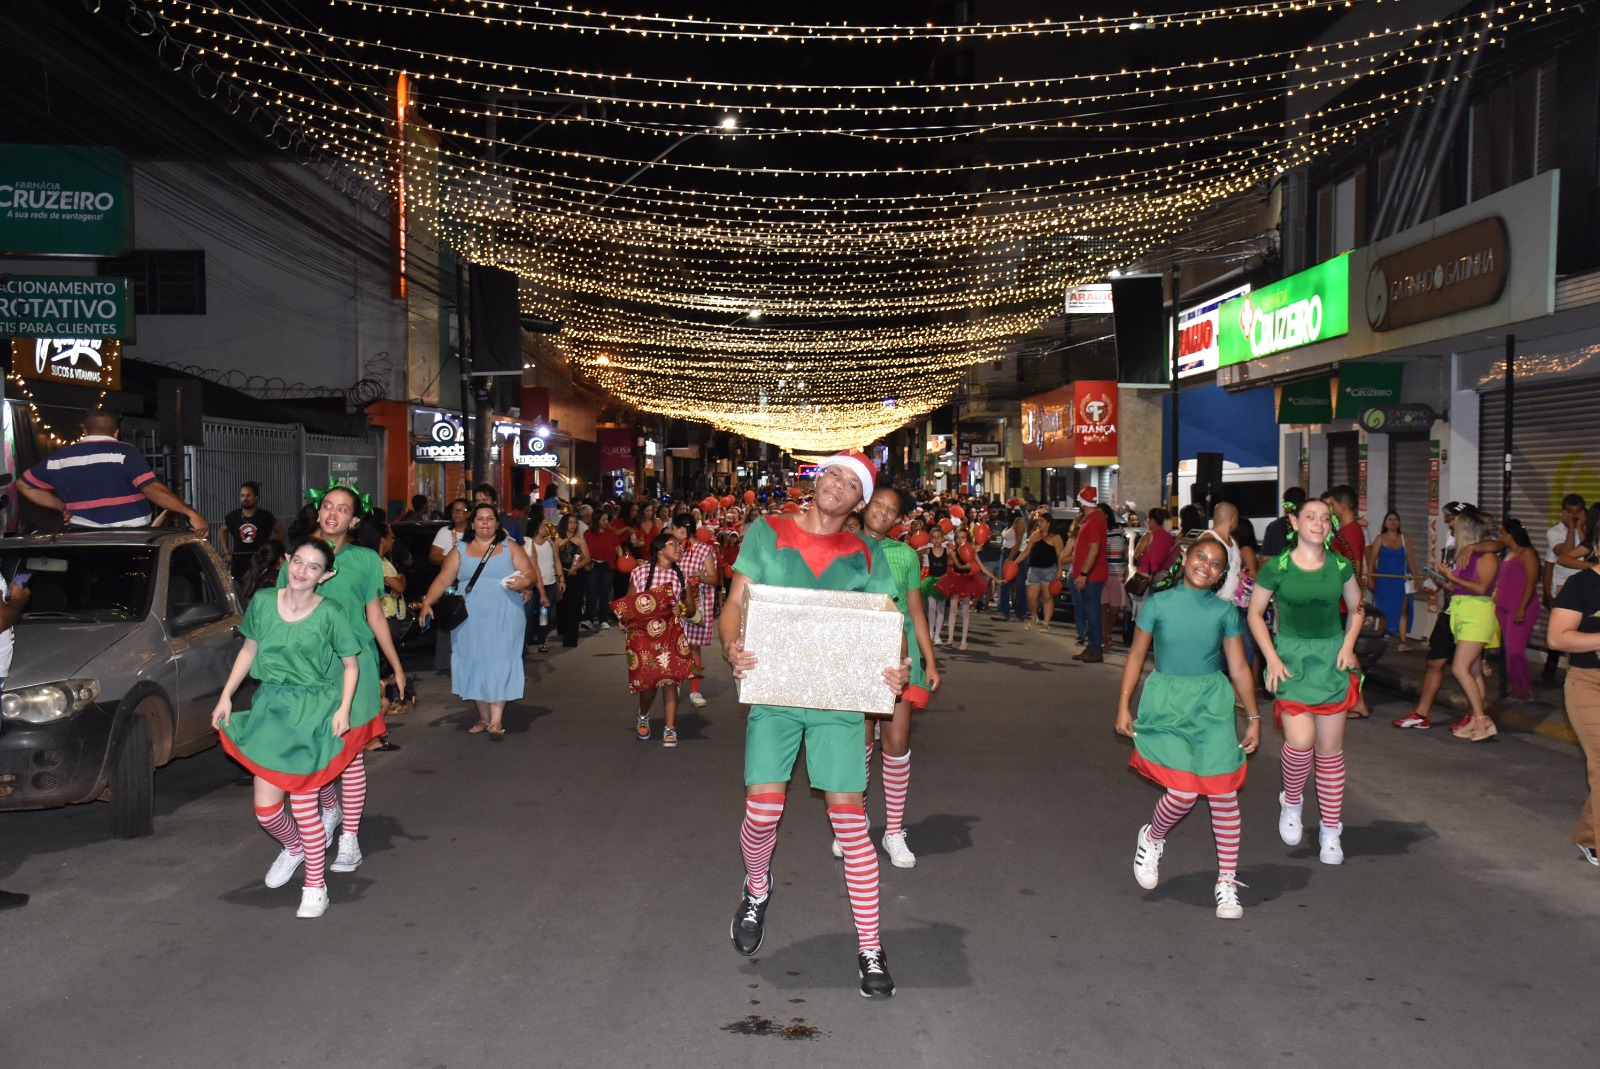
column 125, row 645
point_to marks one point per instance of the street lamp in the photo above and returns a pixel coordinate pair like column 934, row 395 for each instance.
column 728, row 125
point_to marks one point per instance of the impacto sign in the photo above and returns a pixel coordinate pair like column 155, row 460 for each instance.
column 65, row 306
column 64, row 200
column 1300, row 310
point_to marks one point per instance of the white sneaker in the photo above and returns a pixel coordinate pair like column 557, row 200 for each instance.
column 899, row 855
column 283, row 867
column 349, row 858
column 1227, row 895
column 697, row 699
column 330, row 821
column 1289, row 827
column 1147, row 859
column 1332, row 850
column 604, row 626
column 838, row 851
column 313, row 902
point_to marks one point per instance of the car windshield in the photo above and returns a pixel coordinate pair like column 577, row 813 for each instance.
column 83, row 582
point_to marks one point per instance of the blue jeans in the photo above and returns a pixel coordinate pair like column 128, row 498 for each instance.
column 1012, row 599
column 1087, row 605
column 597, row 600
column 536, row 631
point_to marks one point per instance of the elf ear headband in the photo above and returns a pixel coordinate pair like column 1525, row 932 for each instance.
column 316, row 496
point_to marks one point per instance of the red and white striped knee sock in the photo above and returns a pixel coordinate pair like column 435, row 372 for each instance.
column 1330, row 788
column 896, row 781
column 1172, row 807
column 328, row 797
column 1296, row 770
column 871, row 746
column 308, row 817
column 276, row 822
column 1225, row 826
column 860, row 870
column 353, row 786
column 758, row 835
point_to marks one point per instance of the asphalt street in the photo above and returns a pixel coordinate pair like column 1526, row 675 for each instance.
column 562, row 898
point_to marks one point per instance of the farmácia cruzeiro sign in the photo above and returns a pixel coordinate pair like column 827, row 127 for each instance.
column 1302, row 309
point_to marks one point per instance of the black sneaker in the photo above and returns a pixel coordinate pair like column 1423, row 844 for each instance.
column 875, row 978
column 749, row 925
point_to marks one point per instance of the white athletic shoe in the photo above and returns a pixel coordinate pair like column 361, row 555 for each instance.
column 313, row 902
column 696, row 699
column 349, row 857
column 900, row 856
column 283, row 867
column 1147, row 859
column 838, row 851
column 1227, row 894
column 1332, row 850
column 330, row 821
column 1289, row 826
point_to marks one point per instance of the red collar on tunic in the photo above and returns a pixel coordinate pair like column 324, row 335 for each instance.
column 818, row 551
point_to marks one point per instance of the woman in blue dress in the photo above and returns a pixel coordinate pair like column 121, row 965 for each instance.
column 1389, row 570
column 486, row 649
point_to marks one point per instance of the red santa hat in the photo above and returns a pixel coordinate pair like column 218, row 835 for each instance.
column 1088, row 497
column 859, row 466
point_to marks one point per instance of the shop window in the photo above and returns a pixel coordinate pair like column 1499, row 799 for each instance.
column 1513, row 132
column 169, row 282
column 1341, row 214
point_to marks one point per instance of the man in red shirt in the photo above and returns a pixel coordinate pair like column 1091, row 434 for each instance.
column 1090, row 570
column 603, row 545
column 1350, row 542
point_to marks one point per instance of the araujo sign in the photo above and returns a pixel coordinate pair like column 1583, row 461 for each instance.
column 1302, row 309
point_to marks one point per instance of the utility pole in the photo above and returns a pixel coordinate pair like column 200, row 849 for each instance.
column 1177, row 275
column 1505, row 472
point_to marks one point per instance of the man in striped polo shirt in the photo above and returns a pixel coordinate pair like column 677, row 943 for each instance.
column 99, row 482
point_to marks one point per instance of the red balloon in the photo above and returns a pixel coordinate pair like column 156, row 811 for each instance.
column 918, row 540
column 727, row 571
column 626, row 564
column 968, row 554
column 790, row 506
column 749, row 497
column 958, row 512
column 896, row 531
column 708, row 506
column 705, row 534
column 1054, row 588
column 945, row 525
column 980, row 533
column 727, row 501
column 1008, row 571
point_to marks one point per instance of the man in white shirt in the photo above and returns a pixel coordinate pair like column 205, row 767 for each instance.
column 1567, row 533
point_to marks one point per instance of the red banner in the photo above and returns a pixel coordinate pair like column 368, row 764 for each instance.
column 1047, row 429
column 535, row 405
column 1094, row 422
column 616, row 449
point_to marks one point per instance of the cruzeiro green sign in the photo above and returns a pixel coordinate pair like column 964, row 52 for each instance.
column 65, row 306
column 1302, row 309
column 64, row 200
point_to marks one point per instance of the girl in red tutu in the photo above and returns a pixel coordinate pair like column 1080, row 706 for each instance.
column 651, row 612
column 965, row 582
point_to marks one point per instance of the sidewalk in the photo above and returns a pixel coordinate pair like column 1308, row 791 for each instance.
column 1546, row 714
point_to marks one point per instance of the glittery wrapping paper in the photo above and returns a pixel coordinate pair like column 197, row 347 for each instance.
column 820, row 649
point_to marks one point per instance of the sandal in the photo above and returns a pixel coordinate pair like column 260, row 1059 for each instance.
column 1353, row 715
column 479, row 728
column 497, row 734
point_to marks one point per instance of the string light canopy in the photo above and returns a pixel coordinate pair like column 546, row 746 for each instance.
column 899, row 201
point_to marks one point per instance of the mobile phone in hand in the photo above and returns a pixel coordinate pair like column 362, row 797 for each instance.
column 21, row 578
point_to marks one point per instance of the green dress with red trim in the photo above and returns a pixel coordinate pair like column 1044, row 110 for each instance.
column 906, row 563
column 1183, row 735
column 1310, row 634
column 286, row 735
column 777, row 551
column 357, row 579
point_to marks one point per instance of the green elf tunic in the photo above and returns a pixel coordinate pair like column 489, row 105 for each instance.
column 777, row 551
column 1184, row 735
column 285, row 737
column 357, row 579
column 1310, row 634
column 906, row 563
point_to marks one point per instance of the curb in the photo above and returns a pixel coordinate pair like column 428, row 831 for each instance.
column 1539, row 718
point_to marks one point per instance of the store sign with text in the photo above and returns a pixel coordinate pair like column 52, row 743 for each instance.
column 90, row 362
column 65, row 306
column 64, row 200
column 1094, row 424
column 1093, row 299
column 1198, row 330
column 1300, row 310
column 1451, row 273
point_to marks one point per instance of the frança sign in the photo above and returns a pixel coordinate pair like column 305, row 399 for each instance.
column 1302, row 309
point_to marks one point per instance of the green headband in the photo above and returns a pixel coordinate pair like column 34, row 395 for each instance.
column 316, row 496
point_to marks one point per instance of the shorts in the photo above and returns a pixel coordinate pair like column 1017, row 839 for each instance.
column 834, row 757
column 1472, row 619
column 1042, row 576
column 1441, row 643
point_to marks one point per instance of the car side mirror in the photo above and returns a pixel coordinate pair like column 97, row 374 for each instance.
column 197, row 614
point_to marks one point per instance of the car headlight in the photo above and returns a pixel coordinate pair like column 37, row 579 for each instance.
column 48, row 701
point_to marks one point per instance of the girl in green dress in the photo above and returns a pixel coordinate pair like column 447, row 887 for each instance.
column 1311, row 668
column 1184, row 737
column 294, row 735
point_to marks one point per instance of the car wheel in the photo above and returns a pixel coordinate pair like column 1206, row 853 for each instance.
column 133, row 782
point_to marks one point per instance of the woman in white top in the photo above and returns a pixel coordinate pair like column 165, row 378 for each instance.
column 548, row 581
column 444, row 541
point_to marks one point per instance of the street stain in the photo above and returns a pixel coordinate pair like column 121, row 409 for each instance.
column 756, row 1025
column 792, row 972
column 797, row 1000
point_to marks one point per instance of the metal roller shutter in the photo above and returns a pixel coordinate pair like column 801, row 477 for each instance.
column 1343, row 456
column 1552, row 455
column 1408, row 487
